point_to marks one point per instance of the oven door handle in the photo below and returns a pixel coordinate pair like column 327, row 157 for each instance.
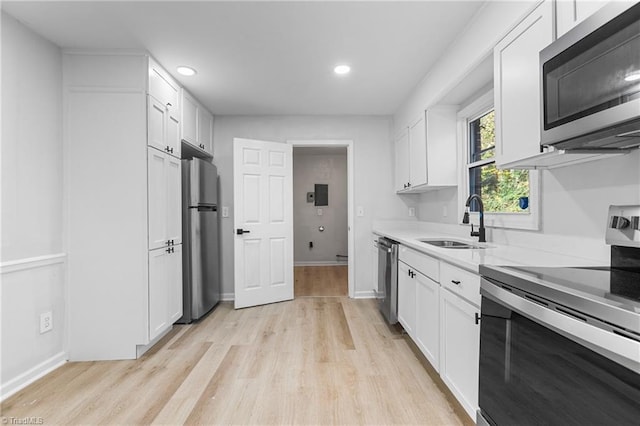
column 620, row 349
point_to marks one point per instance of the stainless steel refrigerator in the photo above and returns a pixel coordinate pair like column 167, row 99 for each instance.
column 200, row 253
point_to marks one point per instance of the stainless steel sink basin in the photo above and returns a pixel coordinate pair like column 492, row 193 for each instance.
column 451, row 244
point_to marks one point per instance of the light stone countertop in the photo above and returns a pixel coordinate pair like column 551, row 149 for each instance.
column 471, row 259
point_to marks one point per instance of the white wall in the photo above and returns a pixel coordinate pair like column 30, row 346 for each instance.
column 32, row 232
column 308, row 170
column 373, row 170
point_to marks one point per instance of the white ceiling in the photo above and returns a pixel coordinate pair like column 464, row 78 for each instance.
column 269, row 57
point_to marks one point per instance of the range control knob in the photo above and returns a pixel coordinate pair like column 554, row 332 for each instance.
column 619, row 222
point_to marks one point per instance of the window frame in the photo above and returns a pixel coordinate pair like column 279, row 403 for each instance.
column 475, row 109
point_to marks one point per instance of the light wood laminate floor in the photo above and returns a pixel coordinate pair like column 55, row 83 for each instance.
column 313, row 281
column 307, row 361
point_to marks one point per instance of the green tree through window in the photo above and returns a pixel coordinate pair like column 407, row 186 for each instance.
column 501, row 190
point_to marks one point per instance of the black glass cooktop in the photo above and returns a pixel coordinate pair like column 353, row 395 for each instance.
column 609, row 294
column 604, row 282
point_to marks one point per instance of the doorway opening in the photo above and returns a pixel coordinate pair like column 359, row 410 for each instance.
column 322, row 218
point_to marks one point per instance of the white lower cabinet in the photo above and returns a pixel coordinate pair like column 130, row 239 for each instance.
column 406, row 299
column 459, row 349
column 374, row 264
column 427, row 329
column 438, row 308
column 165, row 289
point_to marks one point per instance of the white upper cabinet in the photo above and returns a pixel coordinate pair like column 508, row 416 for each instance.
column 197, row 124
column 402, row 157
column 426, row 151
column 205, row 130
column 517, row 86
column 570, row 13
column 163, row 102
column 418, row 152
column 189, row 120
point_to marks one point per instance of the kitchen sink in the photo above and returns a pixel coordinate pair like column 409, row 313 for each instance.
column 452, row 244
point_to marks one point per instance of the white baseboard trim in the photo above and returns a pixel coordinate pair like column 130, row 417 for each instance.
column 365, row 294
column 30, row 376
column 227, row 297
column 31, row 262
column 320, row 263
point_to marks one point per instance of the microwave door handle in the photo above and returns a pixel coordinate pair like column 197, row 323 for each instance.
column 620, row 349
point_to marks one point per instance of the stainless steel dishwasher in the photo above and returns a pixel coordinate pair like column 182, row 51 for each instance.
column 388, row 279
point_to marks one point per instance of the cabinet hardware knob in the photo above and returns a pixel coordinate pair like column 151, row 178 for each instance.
column 168, row 242
column 171, row 150
column 168, row 250
column 456, row 282
column 478, row 318
column 169, row 105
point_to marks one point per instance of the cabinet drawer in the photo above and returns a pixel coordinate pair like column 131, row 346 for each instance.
column 423, row 263
column 464, row 283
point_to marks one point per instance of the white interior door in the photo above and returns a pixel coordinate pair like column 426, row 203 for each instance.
column 263, row 217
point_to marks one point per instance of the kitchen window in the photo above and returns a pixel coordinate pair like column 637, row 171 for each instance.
column 509, row 196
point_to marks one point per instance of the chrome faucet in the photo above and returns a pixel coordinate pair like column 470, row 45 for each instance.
column 465, row 219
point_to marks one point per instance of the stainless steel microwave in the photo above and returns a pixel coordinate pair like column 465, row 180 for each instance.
column 590, row 82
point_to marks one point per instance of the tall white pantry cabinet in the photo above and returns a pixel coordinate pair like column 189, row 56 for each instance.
column 122, row 180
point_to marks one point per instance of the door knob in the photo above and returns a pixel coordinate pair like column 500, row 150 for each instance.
column 240, row 231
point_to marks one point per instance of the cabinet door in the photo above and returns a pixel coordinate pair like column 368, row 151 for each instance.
column 459, row 349
column 570, row 13
column 189, row 118
column 174, row 284
column 406, row 299
column 402, row 160
column 157, row 198
column 173, row 131
column 158, row 292
column 173, row 187
column 162, row 86
column 428, row 318
column 442, row 156
column 156, row 129
column 418, row 153
column 205, row 130
column 517, row 86
column 374, row 264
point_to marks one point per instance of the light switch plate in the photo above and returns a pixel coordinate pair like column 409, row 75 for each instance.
column 412, row 211
column 319, row 212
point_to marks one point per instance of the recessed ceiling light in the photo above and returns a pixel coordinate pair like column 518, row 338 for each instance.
column 188, row 71
column 342, row 69
column 633, row 76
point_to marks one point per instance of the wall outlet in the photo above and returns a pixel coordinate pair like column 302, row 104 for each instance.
column 412, row 211
column 46, row 322
column 319, row 212
column 444, row 211
column 225, row 211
